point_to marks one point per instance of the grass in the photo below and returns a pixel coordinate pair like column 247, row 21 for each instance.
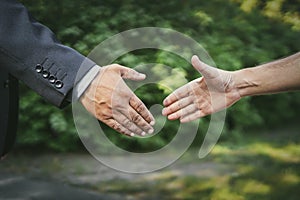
column 265, row 167
column 259, row 167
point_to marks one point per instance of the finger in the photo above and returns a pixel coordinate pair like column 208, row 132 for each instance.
column 180, row 104
column 140, row 122
column 141, row 109
column 192, row 116
column 206, row 70
column 128, row 124
column 128, row 73
column 118, row 127
column 183, row 112
column 180, row 93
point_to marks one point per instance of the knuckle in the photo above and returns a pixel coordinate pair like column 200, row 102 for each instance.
column 176, row 95
column 175, row 108
column 188, row 110
column 136, row 118
column 198, row 102
column 146, row 127
column 103, row 116
column 171, row 109
column 133, row 102
column 139, row 121
column 115, row 65
column 206, row 111
column 127, row 123
column 178, row 105
column 190, row 92
column 133, row 128
column 140, row 108
column 115, row 126
column 149, row 118
column 177, row 114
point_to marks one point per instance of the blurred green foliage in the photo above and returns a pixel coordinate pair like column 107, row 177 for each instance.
column 236, row 34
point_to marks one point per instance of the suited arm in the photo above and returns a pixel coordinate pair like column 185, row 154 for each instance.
column 30, row 52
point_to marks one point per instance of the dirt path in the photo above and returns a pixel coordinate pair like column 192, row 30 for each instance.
column 71, row 176
column 17, row 187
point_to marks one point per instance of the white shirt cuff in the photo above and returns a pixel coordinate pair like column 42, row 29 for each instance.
column 84, row 83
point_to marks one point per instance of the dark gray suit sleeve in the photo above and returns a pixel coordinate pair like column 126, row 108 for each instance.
column 30, row 52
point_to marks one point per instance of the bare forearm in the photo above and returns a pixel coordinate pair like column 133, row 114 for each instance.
column 274, row 77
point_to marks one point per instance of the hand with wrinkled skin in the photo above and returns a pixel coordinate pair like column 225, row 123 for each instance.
column 111, row 101
column 203, row 96
column 219, row 89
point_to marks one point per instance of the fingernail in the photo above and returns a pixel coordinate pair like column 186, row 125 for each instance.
column 142, row 75
column 150, row 131
column 194, row 57
column 152, row 123
column 131, row 134
column 165, row 102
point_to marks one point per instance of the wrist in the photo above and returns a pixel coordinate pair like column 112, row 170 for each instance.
column 86, row 81
column 245, row 82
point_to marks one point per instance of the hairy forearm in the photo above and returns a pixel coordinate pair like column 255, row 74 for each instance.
column 274, row 77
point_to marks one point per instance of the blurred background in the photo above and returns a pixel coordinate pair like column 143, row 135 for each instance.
column 258, row 154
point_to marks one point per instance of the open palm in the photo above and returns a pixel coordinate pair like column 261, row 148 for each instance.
column 211, row 93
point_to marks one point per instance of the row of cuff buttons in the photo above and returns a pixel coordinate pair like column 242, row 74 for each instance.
column 46, row 74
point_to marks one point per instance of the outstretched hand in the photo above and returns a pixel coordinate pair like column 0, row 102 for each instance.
column 211, row 93
column 111, row 101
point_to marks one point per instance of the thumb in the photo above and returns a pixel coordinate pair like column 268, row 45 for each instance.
column 131, row 74
column 206, row 70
